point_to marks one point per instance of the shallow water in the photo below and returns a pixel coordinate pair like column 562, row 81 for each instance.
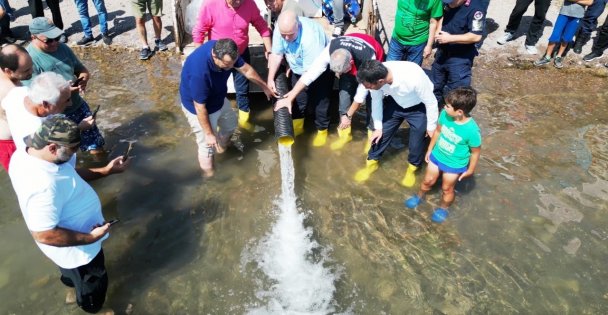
column 526, row 235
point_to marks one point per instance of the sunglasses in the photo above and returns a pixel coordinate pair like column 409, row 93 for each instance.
column 47, row 40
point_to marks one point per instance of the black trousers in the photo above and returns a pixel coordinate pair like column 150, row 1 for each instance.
column 90, row 282
column 37, row 10
column 536, row 26
column 315, row 97
column 602, row 39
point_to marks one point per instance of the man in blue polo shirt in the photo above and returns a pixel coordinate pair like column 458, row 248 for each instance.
column 301, row 40
column 203, row 92
column 462, row 26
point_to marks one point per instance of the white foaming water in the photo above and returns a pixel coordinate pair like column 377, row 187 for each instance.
column 298, row 282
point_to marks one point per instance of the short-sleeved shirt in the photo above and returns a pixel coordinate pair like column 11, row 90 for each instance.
column 453, row 148
column 202, row 81
column 413, row 18
column 64, row 62
column 301, row 52
column 462, row 20
column 53, row 195
column 572, row 9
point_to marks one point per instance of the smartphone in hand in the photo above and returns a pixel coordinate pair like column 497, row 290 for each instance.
column 113, row 221
column 75, row 83
column 127, row 153
column 95, row 111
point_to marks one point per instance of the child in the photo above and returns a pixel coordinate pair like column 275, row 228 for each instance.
column 454, row 150
column 563, row 31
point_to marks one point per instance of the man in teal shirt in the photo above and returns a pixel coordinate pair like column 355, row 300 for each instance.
column 414, row 32
column 48, row 54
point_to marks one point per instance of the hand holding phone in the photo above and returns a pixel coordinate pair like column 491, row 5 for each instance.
column 113, row 221
column 77, row 82
column 127, row 153
column 95, row 111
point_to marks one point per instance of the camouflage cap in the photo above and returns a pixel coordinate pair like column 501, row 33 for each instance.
column 54, row 129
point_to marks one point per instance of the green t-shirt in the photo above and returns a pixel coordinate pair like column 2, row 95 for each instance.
column 412, row 20
column 63, row 61
column 455, row 140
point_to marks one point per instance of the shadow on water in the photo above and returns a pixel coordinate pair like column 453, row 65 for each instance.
column 527, row 234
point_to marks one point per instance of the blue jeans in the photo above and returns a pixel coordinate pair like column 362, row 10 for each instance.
column 398, row 51
column 393, row 116
column 102, row 14
column 241, row 84
column 448, row 73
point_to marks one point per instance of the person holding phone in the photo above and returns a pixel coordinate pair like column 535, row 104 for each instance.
column 62, row 211
column 409, row 97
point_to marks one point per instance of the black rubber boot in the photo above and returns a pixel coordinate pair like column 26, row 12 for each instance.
column 581, row 40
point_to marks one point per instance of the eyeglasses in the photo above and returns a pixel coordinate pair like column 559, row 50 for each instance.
column 47, row 40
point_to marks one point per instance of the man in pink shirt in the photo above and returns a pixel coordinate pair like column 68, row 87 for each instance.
column 219, row 19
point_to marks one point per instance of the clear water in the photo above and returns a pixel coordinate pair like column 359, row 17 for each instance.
column 527, row 235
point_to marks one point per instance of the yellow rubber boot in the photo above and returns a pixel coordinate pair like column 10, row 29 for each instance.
column 344, row 137
column 368, row 144
column 298, row 126
column 363, row 174
column 320, row 138
column 409, row 180
column 244, row 121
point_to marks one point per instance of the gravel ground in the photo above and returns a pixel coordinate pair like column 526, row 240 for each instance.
column 122, row 25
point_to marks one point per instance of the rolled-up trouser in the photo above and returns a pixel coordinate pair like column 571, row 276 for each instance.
column 223, row 123
column 90, row 282
column 393, row 116
column 316, row 97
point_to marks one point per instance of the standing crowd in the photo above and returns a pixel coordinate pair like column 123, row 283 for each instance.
column 44, row 120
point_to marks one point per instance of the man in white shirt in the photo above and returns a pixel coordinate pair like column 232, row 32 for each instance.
column 409, row 97
column 62, row 212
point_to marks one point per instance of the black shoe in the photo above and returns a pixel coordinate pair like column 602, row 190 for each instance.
column 145, row 54
column 106, row 39
column 592, row 56
column 85, row 41
column 159, row 45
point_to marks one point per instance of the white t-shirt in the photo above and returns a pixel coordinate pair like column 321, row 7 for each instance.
column 54, row 195
column 410, row 87
column 21, row 122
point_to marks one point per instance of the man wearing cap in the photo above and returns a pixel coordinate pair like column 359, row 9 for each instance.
column 462, row 27
column 62, row 212
column 203, row 92
column 50, row 55
column 15, row 65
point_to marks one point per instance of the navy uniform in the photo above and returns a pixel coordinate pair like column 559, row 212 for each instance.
column 453, row 62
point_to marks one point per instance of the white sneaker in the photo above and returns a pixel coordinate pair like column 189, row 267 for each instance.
column 505, row 38
column 531, row 50
column 337, row 31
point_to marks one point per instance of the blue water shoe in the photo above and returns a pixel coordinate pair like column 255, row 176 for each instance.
column 439, row 215
column 413, row 201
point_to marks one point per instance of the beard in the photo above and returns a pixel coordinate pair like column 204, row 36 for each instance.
column 63, row 155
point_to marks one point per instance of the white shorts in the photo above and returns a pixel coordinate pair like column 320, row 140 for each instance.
column 223, row 123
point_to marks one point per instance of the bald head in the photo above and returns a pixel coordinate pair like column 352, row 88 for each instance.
column 16, row 63
column 288, row 25
column 339, row 61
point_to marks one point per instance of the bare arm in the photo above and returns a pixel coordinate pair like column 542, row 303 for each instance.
column 61, row 237
column 274, row 61
column 584, row 2
column 254, row 77
column 475, row 152
column 203, row 120
column 113, row 167
column 434, row 139
column 429, row 43
column 447, row 38
column 267, row 46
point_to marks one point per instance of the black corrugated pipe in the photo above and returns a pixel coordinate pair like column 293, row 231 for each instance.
column 283, row 125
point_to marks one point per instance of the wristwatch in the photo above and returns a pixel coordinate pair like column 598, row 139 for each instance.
column 348, row 116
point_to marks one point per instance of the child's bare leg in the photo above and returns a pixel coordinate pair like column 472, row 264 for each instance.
column 562, row 48
column 430, row 178
column 550, row 48
column 447, row 186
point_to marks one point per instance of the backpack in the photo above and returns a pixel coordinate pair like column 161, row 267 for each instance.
column 352, row 9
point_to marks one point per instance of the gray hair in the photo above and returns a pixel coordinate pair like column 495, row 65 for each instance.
column 47, row 87
column 339, row 61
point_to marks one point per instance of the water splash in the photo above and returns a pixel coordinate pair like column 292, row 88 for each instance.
column 299, row 282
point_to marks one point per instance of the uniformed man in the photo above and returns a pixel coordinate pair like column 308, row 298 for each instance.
column 463, row 23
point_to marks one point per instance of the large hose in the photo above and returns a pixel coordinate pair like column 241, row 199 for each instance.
column 283, row 125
